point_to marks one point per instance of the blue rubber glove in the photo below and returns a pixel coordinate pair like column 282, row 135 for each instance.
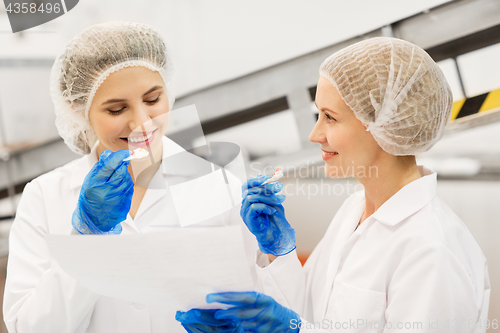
column 203, row 321
column 106, row 195
column 256, row 312
column 262, row 212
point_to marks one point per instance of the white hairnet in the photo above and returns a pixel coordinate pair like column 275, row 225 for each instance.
column 395, row 89
column 86, row 62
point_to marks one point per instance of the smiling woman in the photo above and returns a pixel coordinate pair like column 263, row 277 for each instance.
column 134, row 117
column 394, row 256
column 138, row 96
column 110, row 88
column 92, row 59
column 344, row 140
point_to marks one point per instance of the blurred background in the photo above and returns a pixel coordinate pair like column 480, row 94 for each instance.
column 251, row 70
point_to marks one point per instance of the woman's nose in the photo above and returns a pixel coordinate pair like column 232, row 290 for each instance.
column 317, row 134
column 140, row 116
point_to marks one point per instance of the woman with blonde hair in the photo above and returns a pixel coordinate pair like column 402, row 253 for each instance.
column 111, row 91
column 395, row 257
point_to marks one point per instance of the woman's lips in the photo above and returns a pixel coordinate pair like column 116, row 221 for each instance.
column 328, row 154
column 142, row 143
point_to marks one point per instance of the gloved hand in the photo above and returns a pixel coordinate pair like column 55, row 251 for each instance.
column 256, row 312
column 262, row 212
column 106, row 195
column 203, row 321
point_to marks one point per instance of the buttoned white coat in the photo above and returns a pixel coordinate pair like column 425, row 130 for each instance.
column 41, row 298
column 410, row 266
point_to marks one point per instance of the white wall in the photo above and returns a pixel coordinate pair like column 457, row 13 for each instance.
column 217, row 40
column 480, row 70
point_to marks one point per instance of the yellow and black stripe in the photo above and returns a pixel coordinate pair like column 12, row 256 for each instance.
column 478, row 104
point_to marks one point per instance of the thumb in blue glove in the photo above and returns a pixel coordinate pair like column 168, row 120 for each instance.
column 262, row 212
column 257, row 312
column 203, row 321
column 106, row 195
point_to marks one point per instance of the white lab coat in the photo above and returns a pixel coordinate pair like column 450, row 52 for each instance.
column 41, row 298
column 413, row 260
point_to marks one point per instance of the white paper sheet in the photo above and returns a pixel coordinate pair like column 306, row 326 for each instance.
column 209, row 192
column 174, row 269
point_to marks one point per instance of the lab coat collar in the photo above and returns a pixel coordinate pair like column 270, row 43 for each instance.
column 85, row 163
column 408, row 200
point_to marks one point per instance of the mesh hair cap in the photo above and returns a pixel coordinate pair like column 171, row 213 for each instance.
column 86, row 62
column 395, row 89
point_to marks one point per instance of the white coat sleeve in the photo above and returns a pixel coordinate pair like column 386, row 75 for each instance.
column 39, row 296
column 249, row 242
column 431, row 288
column 284, row 280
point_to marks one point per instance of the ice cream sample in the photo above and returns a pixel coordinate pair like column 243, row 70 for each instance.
column 137, row 154
column 277, row 175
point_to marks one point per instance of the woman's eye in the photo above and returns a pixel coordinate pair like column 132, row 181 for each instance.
column 116, row 112
column 153, row 101
column 330, row 118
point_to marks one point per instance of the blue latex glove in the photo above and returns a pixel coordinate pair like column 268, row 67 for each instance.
column 106, row 195
column 262, row 212
column 203, row 321
column 256, row 312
